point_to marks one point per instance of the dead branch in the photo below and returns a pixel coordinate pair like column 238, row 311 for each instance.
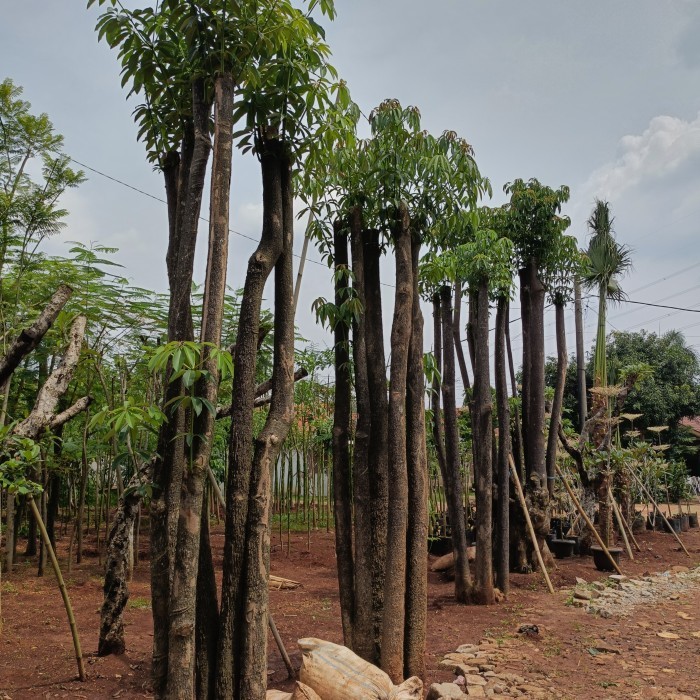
column 30, row 337
column 55, row 386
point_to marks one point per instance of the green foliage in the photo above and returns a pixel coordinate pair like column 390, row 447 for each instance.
column 18, row 455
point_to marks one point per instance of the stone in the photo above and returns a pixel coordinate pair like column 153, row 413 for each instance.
column 582, row 594
column 617, row 578
column 448, row 691
column 475, row 691
column 680, row 569
column 474, row 680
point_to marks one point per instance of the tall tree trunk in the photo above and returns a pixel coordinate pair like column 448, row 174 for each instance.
column 517, row 425
column 181, row 643
column 453, row 477
column 342, row 478
column 504, row 450
column 580, row 357
column 435, row 403
column 482, row 430
column 253, row 626
column 378, row 463
column 363, row 633
column 207, row 616
column 394, row 597
column 230, row 653
column 417, row 537
column 538, row 495
column 525, row 320
column 555, row 418
column 457, row 335
column 184, row 175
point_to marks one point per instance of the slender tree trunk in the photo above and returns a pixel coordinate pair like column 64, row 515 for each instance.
column 457, row 335
column 435, row 403
column 378, row 451
column 233, row 618
column 392, row 650
column 253, row 630
column 580, row 358
column 207, row 616
column 504, row 450
column 115, row 588
column 181, row 643
column 525, row 318
column 363, row 633
column 184, row 175
column 555, row 419
column 453, row 477
column 537, row 493
column 416, row 550
column 342, row 478
column 517, row 426
column 482, row 429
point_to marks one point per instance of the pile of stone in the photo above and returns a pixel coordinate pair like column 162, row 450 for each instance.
column 619, row 595
column 476, row 667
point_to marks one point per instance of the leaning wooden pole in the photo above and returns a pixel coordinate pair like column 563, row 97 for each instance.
column 531, row 529
column 62, row 588
column 591, row 527
column 620, row 524
column 658, row 510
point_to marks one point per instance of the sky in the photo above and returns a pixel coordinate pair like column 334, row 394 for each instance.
column 599, row 95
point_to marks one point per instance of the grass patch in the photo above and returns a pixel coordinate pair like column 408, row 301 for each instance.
column 139, row 603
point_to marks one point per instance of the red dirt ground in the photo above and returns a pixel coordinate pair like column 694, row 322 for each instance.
column 36, row 656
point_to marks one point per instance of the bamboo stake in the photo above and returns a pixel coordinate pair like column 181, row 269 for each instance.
column 658, row 510
column 531, row 529
column 591, row 527
column 620, row 524
column 629, row 532
column 62, row 588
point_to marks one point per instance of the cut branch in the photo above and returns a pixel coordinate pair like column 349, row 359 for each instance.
column 30, row 337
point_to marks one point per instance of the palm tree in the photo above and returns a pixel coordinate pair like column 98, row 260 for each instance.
column 608, row 262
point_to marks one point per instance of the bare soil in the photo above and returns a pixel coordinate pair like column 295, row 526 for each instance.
column 36, row 655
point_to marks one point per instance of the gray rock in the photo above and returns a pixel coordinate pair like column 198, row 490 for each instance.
column 445, row 691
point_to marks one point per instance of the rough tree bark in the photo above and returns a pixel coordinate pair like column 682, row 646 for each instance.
column 504, row 450
column 342, row 478
column 184, row 174
column 181, row 642
column 230, row 653
column 555, row 418
column 416, row 550
column 378, row 460
column 253, row 627
column 457, row 336
column 452, row 478
column 363, row 632
column 392, row 649
column 482, row 431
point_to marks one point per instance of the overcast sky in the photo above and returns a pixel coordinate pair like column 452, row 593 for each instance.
column 600, row 95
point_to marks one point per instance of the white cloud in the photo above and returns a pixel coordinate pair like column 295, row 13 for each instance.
column 659, row 152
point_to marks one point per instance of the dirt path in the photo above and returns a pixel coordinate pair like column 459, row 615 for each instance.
column 36, row 654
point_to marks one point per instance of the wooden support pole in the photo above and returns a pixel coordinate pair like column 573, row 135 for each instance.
column 531, row 529
column 587, row 520
column 620, row 524
column 62, row 588
column 658, row 510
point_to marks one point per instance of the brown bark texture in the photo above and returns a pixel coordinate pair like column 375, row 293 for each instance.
column 392, row 648
column 416, row 551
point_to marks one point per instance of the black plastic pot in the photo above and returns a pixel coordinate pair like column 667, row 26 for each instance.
column 685, row 522
column 675, row 523
column 693, row 519
column 638, row 523
column 562, row 549
column 600, row 559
